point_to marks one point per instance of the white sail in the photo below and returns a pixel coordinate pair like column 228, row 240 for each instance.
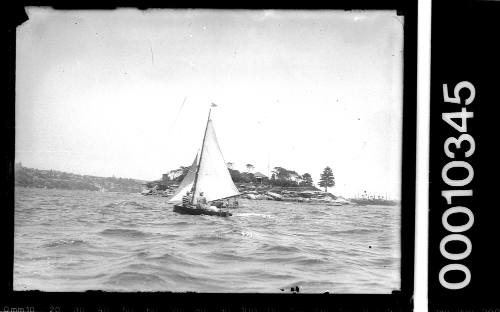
column 213, row 179
column 187, row 182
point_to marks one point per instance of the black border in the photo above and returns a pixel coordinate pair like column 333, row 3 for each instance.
column 464, row 47
column 91, row 301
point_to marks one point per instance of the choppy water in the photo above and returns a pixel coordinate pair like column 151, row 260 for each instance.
column 80, row 240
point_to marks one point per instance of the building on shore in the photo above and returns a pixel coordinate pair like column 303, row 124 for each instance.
column 260, row 177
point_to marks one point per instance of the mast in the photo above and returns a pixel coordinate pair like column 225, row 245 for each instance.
column 201, row 155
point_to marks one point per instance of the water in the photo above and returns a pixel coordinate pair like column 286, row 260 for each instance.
column 80, row 240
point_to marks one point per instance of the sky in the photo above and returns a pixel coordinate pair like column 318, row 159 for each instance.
column 126, row 93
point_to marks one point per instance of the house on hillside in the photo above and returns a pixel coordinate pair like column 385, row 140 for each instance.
column 259, row 177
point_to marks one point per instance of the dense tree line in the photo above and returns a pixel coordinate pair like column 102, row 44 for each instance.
column 52, row 179
column 279, row 177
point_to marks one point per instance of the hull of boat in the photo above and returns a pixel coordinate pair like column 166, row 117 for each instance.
column 195, row 211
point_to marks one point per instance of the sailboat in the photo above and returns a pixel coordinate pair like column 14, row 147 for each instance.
column 207, row 174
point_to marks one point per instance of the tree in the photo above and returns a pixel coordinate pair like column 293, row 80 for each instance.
column 180, row 173
column 307, row 179
column 239, row 177
column 284, row 177
column 250, row 167
column 250, row 176
column 281, row 173
column 326, row 179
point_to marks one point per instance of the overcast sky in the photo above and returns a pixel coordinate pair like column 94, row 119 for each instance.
column 127, row 92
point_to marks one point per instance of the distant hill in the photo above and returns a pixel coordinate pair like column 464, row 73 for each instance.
column 29, row 177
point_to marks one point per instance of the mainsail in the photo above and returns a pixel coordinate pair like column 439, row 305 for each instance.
column 187, row 182
column 213, row 178
column 210, row 175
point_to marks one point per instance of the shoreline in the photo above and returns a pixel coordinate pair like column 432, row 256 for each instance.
column 285, row 194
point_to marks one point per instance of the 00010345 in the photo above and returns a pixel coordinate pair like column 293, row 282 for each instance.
column 459, row 183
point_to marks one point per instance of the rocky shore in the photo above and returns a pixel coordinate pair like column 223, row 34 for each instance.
column 296, row 196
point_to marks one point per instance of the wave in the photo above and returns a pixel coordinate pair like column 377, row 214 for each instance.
column 180, row 260
column 298, row 217
column 248, row 234
column 281, row 248
column 81, row 277
column 228, row 256
column 124, row 233
column 126, row 203
column 302, row 259
column 135, row 204
column 354, row 231
column 283, row 259
column 182, row 277
column 170, row 258
column 210, row 237
column 67, row 243
column 43, row 258
column 47, row 203
column 128, row 223
column 381, row 262
column 135, row 278
column 318, row 212
column 263, row 274
column 142, row 254
column 253, row 214
column 312, row 261
column 181, row 223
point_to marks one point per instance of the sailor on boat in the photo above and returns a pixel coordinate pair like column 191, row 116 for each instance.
column 202, row 202
column 186, row 199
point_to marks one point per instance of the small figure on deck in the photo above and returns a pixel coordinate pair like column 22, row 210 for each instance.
column 202, row 202
column 186, row 199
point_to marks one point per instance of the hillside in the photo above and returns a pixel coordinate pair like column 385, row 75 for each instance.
column 29, row 177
